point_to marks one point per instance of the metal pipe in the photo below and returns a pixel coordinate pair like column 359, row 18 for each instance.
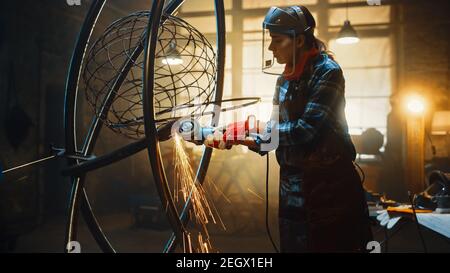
column 29, row 164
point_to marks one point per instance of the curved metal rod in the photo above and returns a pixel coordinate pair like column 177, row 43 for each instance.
column 71, row 92
column 88, row 147
column 254, row 100
column 215, row 102
column 153, row 148
column 172, row 6
column 94, row 226
column 206, row 157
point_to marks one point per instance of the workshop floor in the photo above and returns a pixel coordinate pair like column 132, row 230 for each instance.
column 49, row 237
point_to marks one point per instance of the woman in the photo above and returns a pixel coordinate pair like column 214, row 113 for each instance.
column 322, row 204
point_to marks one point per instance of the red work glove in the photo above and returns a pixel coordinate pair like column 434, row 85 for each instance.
column 235, row 133
column 225, row 138
column 238, row 131
column 217, row 140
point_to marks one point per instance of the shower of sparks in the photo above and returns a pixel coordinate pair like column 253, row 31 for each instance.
column 187, row 243
column 204, row 246
column 188, row 187
column 255, row 194
column 218, row 190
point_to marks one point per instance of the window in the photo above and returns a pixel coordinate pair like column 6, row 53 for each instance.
column 207, row 24
column 360, row 15
column 367, row 66
column 203, row 5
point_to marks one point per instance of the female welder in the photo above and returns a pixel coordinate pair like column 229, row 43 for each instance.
column 322, row 205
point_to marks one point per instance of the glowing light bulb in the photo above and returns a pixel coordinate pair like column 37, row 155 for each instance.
column 415, row 105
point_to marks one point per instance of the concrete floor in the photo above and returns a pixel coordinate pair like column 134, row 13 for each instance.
column 119, row 228
column 125, row 237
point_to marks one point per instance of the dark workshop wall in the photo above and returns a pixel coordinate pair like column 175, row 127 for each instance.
column 38, row 38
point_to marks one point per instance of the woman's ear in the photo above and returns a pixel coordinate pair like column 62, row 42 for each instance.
column 300, row 41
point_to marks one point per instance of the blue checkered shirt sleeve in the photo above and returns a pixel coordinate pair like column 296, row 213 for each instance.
column 325, row 92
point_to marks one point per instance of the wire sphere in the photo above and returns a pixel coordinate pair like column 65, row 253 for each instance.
column 185, row 72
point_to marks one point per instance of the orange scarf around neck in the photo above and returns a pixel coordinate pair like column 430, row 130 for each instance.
column 300, row 66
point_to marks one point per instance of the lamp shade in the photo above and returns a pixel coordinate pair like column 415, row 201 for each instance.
column 347, row 34
column 173, row 56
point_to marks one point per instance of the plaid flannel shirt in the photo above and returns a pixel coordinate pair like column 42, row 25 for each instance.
column 324, row 108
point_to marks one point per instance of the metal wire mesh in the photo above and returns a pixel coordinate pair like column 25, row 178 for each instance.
column 177, row 85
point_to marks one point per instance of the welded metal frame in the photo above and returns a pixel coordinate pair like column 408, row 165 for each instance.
column 79, row 198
